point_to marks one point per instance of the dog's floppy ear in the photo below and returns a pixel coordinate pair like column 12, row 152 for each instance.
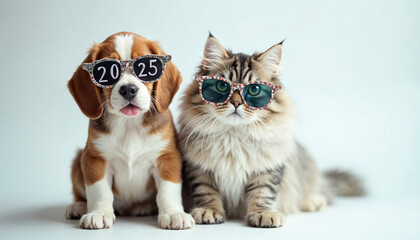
column 166, row 87
column 84, row 92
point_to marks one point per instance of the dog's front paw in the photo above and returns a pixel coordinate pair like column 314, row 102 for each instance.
column 265, row 219
column 178, row 221
column 97, row 220
column 207, row 216
column 76, row 210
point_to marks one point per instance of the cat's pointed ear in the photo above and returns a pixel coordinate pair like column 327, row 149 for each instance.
column 271, row 58
column 213, row 52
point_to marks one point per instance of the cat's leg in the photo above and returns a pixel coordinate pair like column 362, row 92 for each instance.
column 207, row 201
column 314, row 202
column 262, row 193
column 312, row 198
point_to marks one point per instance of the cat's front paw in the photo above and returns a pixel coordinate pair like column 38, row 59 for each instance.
column 265, row 219
column 178, row 221
column 97, row 220
column 207, row 216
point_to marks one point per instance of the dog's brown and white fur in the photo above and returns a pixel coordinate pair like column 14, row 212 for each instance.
column 131, row 165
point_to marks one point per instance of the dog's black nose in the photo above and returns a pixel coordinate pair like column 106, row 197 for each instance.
column 128, row 91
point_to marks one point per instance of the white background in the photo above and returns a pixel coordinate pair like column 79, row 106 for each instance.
column 352, row 68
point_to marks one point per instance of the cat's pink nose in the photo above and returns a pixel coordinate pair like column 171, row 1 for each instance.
column 236, row 103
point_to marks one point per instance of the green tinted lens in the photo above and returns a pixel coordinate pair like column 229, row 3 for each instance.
column 257, row 95
column 215, row 91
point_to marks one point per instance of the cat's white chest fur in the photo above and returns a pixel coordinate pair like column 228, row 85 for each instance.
column 230, row 170
column 233, row 156
column 231, row 185
column 131, row 155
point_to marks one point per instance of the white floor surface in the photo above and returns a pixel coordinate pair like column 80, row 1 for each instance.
column 348, row 218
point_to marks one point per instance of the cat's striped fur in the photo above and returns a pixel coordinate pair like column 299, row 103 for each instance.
column 247, row 164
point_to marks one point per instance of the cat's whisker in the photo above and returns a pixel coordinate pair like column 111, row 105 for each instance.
column 203, row 133
column 211, row 128
column 195, row 130
column 196, row 120
column 193, row 122
column 262, row 130
column 249, row 133
column 193, row 108
column 253, row 137
column 199, row 116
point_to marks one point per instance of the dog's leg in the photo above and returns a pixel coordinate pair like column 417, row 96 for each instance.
column 169, row 201
column 100, row 212
column 168, row 182
column 77, row 209
column 145, row 208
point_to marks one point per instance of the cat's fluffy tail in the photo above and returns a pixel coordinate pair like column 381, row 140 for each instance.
column 343, row 183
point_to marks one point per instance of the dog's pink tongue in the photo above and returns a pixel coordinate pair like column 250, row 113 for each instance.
column 130, row 110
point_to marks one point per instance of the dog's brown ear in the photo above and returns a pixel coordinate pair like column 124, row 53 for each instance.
column 86, row 94
column 166, row 87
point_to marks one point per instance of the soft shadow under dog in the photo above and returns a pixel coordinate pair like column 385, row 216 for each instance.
column 56, row 214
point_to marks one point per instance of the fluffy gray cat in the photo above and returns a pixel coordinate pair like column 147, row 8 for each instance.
column 241, row 157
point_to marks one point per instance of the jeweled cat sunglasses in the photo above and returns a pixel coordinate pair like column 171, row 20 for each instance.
column 105, row 73
column 217, row 91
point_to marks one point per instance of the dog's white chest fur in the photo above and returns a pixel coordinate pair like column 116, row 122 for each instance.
column 131, row 155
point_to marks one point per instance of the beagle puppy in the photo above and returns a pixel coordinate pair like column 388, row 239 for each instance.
column 131, row 164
